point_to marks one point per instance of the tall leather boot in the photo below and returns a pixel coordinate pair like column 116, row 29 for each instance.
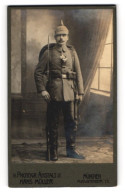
column 53, row 153
column 52, row 150
column 52, row 121
column 70, row 146
column 54, row 146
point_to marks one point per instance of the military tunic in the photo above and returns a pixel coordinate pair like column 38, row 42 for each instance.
column 59, row 88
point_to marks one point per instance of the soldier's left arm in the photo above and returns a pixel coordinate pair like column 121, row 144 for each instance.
column 79, row 78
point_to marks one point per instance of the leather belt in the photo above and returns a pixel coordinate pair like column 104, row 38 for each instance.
column 63, row 76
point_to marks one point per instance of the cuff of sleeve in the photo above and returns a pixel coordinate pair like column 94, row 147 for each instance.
column 40, row 89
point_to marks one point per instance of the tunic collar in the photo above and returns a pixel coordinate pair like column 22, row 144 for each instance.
column 61, row 48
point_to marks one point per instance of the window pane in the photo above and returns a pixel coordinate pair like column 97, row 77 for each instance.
column 95, row 81
column 106, row 56
column 105, row 79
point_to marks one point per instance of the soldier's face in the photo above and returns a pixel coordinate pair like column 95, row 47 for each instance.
column 61, row 39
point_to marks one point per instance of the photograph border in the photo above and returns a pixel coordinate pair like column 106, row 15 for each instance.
column 108, row 171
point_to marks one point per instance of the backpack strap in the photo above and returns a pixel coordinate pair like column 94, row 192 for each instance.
column 51, row 45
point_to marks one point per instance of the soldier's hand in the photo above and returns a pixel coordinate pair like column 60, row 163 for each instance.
column 45, row 95
column 80, row 98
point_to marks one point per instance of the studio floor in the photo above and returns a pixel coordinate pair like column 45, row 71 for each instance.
column 95, row 150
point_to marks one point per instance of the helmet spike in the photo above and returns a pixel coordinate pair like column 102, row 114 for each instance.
column 62, row 23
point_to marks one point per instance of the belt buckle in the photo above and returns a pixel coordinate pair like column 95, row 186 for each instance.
column 64, row 76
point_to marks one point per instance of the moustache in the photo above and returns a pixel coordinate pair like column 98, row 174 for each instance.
column 61, row 41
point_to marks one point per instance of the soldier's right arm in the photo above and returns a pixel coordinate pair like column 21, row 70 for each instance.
column 40, row 73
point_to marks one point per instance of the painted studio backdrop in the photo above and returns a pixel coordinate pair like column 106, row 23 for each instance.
column 91, row 33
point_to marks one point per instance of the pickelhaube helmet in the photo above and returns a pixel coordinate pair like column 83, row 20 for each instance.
column 61, row 29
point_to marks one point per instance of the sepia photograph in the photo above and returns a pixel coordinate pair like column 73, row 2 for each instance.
column 62, row 95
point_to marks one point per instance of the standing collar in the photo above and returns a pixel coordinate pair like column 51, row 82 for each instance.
column 61, row 48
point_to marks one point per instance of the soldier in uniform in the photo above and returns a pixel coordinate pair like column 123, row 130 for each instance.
column 59, row 81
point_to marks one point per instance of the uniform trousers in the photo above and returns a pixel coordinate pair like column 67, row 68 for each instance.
column 70, row 123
